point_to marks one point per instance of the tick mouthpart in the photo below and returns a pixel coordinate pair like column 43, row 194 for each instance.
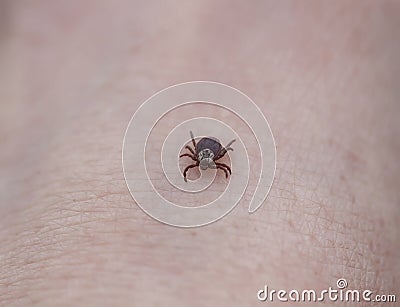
column 207, row 163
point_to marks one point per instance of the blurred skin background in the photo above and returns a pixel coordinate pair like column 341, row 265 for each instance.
column 325, row 73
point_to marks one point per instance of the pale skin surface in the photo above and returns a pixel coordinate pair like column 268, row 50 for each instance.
column 326, row 74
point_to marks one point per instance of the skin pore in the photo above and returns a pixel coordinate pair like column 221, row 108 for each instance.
column 326, row 75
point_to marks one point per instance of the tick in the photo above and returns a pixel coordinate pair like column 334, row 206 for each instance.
column 205, row 154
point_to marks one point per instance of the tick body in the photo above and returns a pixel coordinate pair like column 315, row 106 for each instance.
column 205, row 154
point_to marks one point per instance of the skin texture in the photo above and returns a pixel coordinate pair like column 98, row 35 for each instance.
column 325, row 73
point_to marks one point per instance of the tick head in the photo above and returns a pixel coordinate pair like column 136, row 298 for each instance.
column 206, row 158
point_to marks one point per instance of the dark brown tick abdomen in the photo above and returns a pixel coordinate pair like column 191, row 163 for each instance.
column 209, row 143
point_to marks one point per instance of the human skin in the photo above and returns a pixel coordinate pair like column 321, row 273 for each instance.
column 325, row 73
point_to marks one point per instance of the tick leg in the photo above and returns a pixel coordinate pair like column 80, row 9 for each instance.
column 225, row 166
column 224, row 150
column 190, row 148
column 188, row 155
column 187, row 168
column 229, row 144
column 225, row 171
column 193, row 140
column 221, row 153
